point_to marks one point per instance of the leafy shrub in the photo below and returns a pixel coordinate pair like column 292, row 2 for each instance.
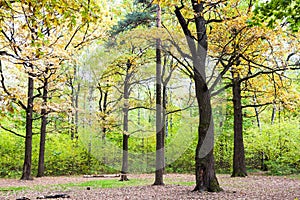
column 279, row 143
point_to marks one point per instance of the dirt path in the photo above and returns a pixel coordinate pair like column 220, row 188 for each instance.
column 252, row 187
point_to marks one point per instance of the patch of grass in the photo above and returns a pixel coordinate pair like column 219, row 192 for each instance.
column 184, row 183
column 295, row 176
column 14, row 189
column 108, row 183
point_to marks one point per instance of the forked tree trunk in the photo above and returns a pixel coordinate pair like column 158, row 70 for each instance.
column 41, row 164
column 26, row 173
column 239, row 166
column 205, row 165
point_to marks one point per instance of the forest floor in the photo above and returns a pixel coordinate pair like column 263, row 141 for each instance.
column 178, row 186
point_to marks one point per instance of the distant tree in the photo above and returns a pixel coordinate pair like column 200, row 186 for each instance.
column 256, row 51
column 33, row 35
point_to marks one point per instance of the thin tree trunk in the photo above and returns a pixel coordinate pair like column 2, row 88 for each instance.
column 263, row 165
column 41, row 164
column 239, row 166
column 164, row 122
column 125, row 158
column 256, row 113
column 125, row 126
column 26, row 173
column 273, row 114
column 75, row 96
column 90, row 120
column 72, row 80
column 76, row 111
column 159, row 129
column 103, row 109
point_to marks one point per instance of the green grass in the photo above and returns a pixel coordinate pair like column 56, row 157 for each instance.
column 109, row 183
column 190, row 183
column 9, row 189
column 296, row 176
column 118, row 184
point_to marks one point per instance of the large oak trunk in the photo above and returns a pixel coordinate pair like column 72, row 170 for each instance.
column 205, row 166
column 239, row 166
column 206, row 179
column 26, row 173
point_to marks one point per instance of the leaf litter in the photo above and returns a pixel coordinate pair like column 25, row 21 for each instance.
column 251, row 187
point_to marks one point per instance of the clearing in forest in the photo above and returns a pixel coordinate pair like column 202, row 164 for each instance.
column 178, row 186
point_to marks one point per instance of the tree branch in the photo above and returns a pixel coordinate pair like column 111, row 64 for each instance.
column 13, row 132
column 257, row 105
column 19, row 102
column 141, row 107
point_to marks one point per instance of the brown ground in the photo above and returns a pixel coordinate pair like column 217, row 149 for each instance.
column 252, row 187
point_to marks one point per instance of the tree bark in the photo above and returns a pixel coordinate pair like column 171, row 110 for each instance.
column 206, row 179
column 159, row 130
column 164, row 122
column 103, row 108
column 75, row 97
column 125, row 158
column 257, row 113
column 239, row 166
column 41, row 163
column 26, row 173
column 205, row 165
column 263, row 165
column 90, row 120
column 125, row 125
column 273, row 114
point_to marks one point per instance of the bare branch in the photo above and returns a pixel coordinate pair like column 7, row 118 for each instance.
column 13, row 132
column 257, row 105
column 141, row 107
column 74, row 34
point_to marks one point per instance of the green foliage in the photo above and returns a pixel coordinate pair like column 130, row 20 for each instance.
column 62, row 157
column 279, row 144
column 11, row 154
column 185, row 163
column 286, row 11
column 223, row 151
column 133, row 20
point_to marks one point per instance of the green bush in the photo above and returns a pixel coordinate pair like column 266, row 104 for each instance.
column 11, row 154
column 278, row 143
column 62, row 156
